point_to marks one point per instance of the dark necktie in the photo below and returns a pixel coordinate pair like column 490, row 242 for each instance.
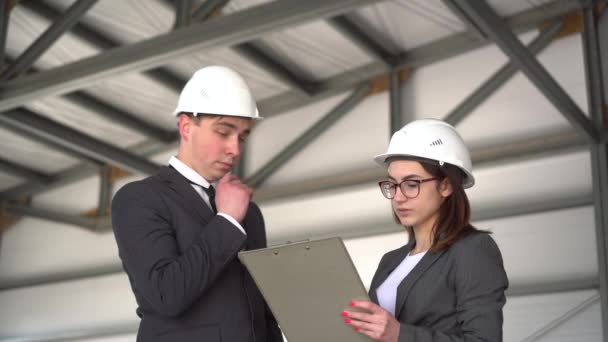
column 211, row 193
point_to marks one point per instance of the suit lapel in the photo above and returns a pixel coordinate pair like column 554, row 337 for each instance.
column 386, row 268
column 188, row 197
column 403, row 290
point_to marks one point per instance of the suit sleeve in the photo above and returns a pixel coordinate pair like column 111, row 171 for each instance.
column 480, row 284
column 168, row 279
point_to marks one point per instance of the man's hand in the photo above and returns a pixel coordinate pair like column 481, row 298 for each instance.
column 379, row 324
column 232, row 197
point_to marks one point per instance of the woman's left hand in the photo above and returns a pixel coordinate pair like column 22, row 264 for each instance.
column 379, row 324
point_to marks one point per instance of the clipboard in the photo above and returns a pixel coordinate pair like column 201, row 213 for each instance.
column 307, row 285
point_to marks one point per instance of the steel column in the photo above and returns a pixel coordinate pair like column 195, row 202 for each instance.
column 48, row 38
column 4, row 19
column 183, row 9
column 105, row 190
column 206, row 9
column 305, row 138
column 593, row 57
column 396, row 115
column 489, row 87
column 76, row 141
column 487, row 19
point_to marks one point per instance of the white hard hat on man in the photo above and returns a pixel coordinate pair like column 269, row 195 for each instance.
column 217, row 90
column 431, row 139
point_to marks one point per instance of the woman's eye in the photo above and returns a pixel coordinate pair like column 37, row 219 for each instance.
column 411, row 184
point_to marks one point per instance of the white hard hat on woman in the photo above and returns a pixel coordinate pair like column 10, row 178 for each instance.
column 434, row 140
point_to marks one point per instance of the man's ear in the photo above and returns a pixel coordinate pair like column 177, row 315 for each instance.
column 445, row 188
column 184, row 125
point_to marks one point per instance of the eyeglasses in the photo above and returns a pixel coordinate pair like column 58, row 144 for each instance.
column 410, row 188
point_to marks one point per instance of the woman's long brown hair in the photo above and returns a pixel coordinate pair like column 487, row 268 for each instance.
column 453, row 222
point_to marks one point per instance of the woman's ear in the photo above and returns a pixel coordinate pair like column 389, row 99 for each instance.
column 445, row 188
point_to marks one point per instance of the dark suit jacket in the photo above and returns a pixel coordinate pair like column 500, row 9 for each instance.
column 182, row 263
column 454, row 295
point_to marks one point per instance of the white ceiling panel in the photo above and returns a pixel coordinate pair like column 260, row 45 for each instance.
column 34, row 248
column 547, row 247
column 525, row 316
column 139, row 96
column 86, row 121
column 407, row 24
column 317, row 49
column 25, row 27
column 127, row 21
column 8, row 181
column 262, row 83
column 34, row 155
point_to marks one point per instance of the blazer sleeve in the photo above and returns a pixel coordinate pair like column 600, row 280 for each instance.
column 480, row 284
column 169, row 280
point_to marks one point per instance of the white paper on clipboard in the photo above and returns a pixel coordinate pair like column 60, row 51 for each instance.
column 307, row 285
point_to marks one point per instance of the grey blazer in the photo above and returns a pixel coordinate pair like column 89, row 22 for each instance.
column 454, row 295
column 182, row 263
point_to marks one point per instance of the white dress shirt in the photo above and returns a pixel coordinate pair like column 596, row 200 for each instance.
column 387, row 292
column 198, row 183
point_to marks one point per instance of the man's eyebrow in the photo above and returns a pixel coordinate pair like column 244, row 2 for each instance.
column 232, row 126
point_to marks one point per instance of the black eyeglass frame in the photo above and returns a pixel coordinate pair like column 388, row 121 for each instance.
column 400, row 186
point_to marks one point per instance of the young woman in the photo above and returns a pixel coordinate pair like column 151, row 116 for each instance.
column 448, row 282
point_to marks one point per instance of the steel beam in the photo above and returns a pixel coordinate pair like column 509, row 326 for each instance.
column 441, row 49
column 537, row 335
column 496, row 81
column 24, row 172
column 81, row 171
column 475, row 31
column 223, row 31
column 89, row 34
column 593, row 57
column 206, row 9
column 305, row 138
column 493, row 26
column 258, row 53
column 76, row 141
column 374, row 48
column 396, row 116
column 183, row 8
column 48, row 142
column 54, row 216
column 538, row 147
column 117, row 115
column 48, row 38
column 553, row 287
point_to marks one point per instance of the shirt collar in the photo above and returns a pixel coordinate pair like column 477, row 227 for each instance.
column 188, row 172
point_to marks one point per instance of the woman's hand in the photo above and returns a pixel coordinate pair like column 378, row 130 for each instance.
column 379, row 324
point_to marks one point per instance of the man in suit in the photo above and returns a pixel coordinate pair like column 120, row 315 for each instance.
column 178, row 236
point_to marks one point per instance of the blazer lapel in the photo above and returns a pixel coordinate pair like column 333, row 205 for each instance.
column 386, row 268
column 189, row 198
column 406, row 285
